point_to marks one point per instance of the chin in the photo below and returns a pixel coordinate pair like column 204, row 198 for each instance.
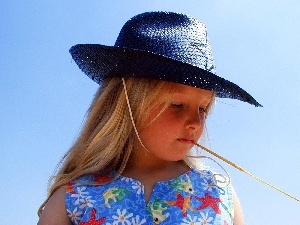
column 177, row 159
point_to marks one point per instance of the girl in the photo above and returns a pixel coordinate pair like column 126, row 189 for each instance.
column 130, row 164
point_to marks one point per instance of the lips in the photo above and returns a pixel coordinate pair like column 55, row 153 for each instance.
column 186, row 140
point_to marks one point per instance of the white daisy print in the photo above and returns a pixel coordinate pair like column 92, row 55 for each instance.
column 80, row 193
column 205, row 220
column 190, row 221
column 126, row 179
column 208, row 186
column 122, row 217
column 139, row 187
column 74, row 215
column 86, row 202
column 138, row 221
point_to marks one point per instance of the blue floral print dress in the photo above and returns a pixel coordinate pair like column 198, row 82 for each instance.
column 191, row 198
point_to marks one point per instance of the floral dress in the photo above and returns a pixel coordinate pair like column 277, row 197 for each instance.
column 191, row 198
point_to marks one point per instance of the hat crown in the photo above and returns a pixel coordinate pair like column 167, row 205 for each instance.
column 173, row 35
column 164, row 46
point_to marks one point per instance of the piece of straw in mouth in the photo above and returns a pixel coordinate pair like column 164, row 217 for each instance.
column 245, row 171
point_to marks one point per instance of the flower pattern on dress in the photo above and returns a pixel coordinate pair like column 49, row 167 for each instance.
column 122, row 217
column 205, row 219
column 126, row 179
column 191, row 198
column 74, row 215
column 191, row 221
column 79, row 194
column 86, row 202
column 208, row 185
column 138, row 221
column 138, row 186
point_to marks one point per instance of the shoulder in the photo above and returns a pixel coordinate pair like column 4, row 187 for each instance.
column 55, row 206
column 208, row 181
column 216, row 179
column 227, row 193
column 238, row 213
column 92, row 179
column 208, row 175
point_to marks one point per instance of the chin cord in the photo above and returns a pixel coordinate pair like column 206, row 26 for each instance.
column 245, row 171
column 131, row 116
column 218, row 179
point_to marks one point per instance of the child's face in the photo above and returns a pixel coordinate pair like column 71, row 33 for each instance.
column 171, row 135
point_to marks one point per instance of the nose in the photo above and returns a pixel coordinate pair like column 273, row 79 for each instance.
column 195, row 120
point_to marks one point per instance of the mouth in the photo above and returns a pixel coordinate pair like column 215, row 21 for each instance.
column 186, row 141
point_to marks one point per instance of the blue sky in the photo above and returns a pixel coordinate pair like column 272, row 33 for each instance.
column 44, row 96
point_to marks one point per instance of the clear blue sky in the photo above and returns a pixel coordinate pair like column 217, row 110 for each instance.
column 44, row 96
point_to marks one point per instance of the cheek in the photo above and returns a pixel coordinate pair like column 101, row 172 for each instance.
column 202, row 129
column 200, row 132
column 162, row 127
column 159, row 127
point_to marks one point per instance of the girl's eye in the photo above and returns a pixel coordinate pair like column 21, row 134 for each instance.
column 176, row 105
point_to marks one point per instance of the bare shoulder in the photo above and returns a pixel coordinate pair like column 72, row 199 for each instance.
column 238, row 213
column 55, row 210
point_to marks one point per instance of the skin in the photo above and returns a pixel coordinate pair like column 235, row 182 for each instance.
column 166, row 141
column 55, row 212
column 168, row 138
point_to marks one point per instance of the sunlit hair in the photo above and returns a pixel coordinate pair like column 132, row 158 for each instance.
column 107, row 137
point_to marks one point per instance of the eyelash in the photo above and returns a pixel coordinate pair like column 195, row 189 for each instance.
column 174, row 105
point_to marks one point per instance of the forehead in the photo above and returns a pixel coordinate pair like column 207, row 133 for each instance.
column 190, row 92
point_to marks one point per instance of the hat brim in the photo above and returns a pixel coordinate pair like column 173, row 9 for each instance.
column 99, row 62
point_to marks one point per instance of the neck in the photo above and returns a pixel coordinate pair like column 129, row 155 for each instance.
column 145, row 164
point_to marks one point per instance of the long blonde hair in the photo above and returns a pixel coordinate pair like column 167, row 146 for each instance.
column 107, row 137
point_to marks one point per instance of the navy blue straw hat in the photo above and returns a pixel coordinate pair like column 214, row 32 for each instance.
column 159, row 45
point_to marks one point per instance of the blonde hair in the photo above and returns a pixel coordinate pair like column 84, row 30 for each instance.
column 107, row 137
